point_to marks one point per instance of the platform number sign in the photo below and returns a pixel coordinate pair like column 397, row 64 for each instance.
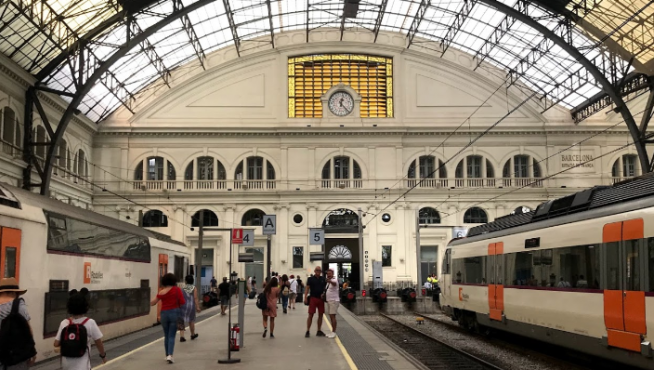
column 366, row 260
column 248, row 238
column 316, row 236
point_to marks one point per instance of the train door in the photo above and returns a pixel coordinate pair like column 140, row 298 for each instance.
column 10, row 253
column 494, row 276
column 161, row 271
column 624, row 293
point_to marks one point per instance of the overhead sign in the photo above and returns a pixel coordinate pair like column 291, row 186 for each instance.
column 248, row 238
column 269, row 225
column 316, row 236
column 237, row 236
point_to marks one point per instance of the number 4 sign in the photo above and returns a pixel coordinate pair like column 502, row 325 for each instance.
column 316, row 236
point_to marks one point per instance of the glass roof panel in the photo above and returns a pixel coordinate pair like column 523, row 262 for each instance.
column 630, row 24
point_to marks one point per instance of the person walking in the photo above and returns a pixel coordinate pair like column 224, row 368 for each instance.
column 214, row 283
column 190, row 308
column 9, row 296
column 223, row 294
column 285, row 287
column 316, row 285
column 333, row 300
column 271, row 292
column 77, row 307
column 292, row 296
column 172, row 299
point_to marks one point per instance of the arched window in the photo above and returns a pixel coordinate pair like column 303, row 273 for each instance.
column 259, row 174
column 10, row 131
column 82, row 165
column 341, row 221
column 341, row 172
column 522, row 170
column 155, row 218
column 40, row 138
column 205, row 170
column 425, row 169
column 209, row 219
column 253, row 217
column 62, row 157
column 155, row 168
column 475, row 215
column 625, row 166
column 428, row 216
column 475, row 171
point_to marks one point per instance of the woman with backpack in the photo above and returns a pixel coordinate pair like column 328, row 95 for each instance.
column 190, row 308
column 172, row 299
column 76, row 333
column 12, row 343
column 271, row 293
column 285, row 287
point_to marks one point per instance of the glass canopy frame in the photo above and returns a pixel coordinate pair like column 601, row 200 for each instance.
column 56, row 39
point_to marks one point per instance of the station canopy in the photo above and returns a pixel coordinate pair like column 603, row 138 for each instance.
column 33, row 33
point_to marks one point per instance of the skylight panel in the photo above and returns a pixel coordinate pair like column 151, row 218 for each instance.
column 211, row 25
column 289, row 14
column 398, row 16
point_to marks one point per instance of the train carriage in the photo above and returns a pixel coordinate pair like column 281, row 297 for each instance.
column 52, row 247
column 577, row 272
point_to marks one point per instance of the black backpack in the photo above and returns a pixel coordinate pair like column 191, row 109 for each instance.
column 262, row 301
column 16, row 341
column 74, row 339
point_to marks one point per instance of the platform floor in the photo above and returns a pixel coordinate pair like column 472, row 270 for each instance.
column 357, row 346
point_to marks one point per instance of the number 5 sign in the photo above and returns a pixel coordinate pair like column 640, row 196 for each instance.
column 316, row 236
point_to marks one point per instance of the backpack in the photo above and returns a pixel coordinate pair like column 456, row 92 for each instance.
column 74, row 339
column 286, row 290
column 262, row 301
column 16, row 341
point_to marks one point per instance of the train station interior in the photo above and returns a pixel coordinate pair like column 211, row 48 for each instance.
column 395, row 126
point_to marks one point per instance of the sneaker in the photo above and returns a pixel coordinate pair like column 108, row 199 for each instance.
column 264, row 332
column 320, row 334
column 285, row 311
column 182, row 339
column 194, row 336
column 307, row 334
column 272, row 336
column 169, row 358
column 331, row 335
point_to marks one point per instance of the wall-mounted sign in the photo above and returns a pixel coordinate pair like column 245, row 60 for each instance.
column 579, row 162
column 90, row 276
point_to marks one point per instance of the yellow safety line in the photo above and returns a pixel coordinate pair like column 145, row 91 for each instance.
column 348, row 359
column 149, row 344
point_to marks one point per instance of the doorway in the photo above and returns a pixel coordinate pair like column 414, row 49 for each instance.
column 342, row 255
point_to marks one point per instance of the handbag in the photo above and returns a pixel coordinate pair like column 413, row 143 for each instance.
column 181, row 325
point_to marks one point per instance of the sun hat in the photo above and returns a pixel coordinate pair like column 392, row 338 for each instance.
column 11, row 285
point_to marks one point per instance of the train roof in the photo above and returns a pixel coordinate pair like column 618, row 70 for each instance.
column 579, row 204
column 13, row 197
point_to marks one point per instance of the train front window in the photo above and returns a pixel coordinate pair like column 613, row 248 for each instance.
column 613, row 266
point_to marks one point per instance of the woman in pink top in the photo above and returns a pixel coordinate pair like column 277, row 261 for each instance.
column 172, row 299
column 272, row 294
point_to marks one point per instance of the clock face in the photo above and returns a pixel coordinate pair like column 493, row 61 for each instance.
column 341, row 103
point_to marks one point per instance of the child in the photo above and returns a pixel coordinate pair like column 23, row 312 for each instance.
column 77, row 308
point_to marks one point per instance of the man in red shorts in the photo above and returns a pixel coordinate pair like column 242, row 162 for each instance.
column 315, row 287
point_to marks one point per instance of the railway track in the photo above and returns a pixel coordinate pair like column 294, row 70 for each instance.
column 432, row 352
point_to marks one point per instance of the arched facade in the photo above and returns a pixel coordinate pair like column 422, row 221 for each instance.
column 522, row 170
column 155, row 218
column 205, row 173
column 625, row 167
column 155, row 173
column 253, row 217
column 342, row 172
column 255, row 172
column 427, row 171
column 209, row 218
column 475, row 171
column 475, row 215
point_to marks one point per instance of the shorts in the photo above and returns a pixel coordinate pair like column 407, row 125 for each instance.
column 316, row 303
column 332, row 307
column 292, row 296
column 224, row 300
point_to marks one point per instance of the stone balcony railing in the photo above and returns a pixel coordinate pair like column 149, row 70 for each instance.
column 337, row 184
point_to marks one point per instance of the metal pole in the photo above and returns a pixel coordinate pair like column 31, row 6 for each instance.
column 268, row 263
column 241, row 310
column 419, row 280
column 229, row 359
column 361, row 258
column 198, row 260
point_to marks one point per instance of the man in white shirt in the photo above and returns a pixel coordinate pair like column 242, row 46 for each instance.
column 292, row 296
column 427, row 285
column 333, row 300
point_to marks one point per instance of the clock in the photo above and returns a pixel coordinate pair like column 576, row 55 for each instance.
column 341, row 103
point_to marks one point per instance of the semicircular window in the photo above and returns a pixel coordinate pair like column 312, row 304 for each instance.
column 340, row 252
column 341, row 221
column 253, row 217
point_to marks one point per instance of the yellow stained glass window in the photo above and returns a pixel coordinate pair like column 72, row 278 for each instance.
column 309, row 77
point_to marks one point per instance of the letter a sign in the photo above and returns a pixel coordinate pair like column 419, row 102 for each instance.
column 269, row 225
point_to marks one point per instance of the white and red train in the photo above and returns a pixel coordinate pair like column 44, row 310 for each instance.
column 52, row 247
column 576, row 272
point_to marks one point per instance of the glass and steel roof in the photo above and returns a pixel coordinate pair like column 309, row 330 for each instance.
column 34, row 33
